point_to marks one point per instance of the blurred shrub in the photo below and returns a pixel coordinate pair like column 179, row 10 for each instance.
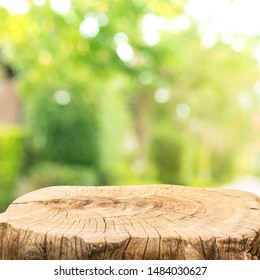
column 46, row 174
column 180, row 161
column 11, row 150
column 125, row 173
column 223, row 165
column 63, row 132
column 167, row 152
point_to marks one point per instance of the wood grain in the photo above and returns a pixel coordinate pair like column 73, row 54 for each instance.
column 131, row 222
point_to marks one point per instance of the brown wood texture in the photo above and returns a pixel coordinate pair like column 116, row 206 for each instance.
column 131, row 222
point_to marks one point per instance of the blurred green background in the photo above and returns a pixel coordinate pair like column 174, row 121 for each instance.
column 124, row 92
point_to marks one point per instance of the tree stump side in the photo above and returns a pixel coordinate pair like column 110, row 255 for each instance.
column 132, row 222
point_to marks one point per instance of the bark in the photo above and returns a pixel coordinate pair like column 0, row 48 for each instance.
column 132, row 222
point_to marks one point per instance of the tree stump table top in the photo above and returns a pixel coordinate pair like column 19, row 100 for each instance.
column 131, row 222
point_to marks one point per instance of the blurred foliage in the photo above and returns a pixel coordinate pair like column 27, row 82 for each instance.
column 11, row 152
column 46, row 174
column 171, row 111
column 64, row 133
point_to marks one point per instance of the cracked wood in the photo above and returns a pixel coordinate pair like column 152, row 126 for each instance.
column 131, row 222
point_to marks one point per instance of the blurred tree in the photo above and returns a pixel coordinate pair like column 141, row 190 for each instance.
column 115, row 84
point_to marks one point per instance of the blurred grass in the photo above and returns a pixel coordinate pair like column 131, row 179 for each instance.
column 11, row 158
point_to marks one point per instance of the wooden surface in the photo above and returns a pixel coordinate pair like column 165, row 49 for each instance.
column 134, row 222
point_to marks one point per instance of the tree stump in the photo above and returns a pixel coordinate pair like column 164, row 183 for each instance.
column 132, row 222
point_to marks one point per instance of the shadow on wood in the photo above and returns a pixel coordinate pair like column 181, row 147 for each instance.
column 132, row 222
